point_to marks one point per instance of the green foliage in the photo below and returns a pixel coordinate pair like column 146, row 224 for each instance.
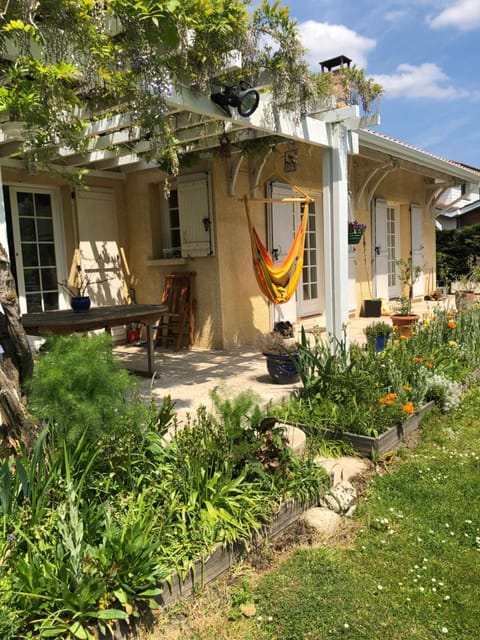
column 454, row 247
column 111, row 500
column 80, row 61
column 363, row 392
column 412, row 570
column 79, row 386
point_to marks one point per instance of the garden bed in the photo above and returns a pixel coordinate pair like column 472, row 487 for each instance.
column 222, row 558
column 369, row 446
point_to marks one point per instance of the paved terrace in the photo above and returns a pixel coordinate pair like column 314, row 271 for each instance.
column 189, row 375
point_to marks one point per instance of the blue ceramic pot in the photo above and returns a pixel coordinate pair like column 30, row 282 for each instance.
column 80, row 303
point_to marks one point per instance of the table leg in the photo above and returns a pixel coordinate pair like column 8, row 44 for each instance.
column 150, row 349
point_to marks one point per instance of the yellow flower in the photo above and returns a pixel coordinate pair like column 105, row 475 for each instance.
column 453, row 343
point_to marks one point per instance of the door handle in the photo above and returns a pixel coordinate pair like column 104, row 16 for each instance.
column 275, row 253
column 377, row 250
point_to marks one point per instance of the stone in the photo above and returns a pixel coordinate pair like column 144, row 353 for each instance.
column 297, row 439
column 322, row 519
column 340, row 498
column 343, row 468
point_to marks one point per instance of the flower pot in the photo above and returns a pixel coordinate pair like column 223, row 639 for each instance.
column 464, row 299
column 372, row 308
column 354, row 237
column 282, row 367
column 133, row 335
column 404, row 324
column 378, row 342
column 80, row 304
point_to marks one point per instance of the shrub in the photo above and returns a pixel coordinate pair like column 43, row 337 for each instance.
column 78, row 385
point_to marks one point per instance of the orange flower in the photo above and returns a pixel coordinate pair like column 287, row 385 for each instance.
column 417, row 359
column 452, row 324
column 429, row 365
column 388, row 399
column 406, row 387
column 408, row 407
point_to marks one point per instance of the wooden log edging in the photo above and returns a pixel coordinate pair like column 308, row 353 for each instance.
column 390, row 440
column 206, row 570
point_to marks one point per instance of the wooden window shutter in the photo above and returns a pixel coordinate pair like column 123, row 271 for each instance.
column 195, row 213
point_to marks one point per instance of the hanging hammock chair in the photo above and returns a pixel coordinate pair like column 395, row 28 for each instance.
column 278, row 282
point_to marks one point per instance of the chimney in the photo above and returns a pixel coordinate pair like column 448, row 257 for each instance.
column 340, row 89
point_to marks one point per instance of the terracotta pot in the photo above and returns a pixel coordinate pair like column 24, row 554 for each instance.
column 404, row 324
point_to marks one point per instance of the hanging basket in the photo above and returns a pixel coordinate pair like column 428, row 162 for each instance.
column 354, row 237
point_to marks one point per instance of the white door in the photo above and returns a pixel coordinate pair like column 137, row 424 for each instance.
column 386, row 250
column 310, row 292
column 416, row 225
column 393, row 244
column 99, row 245
column 380, row 250
column 284, row 220
column 38, row 241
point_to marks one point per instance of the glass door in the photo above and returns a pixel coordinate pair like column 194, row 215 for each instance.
column 36, row 227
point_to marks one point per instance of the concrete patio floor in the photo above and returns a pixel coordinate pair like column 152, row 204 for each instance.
column 188, row 376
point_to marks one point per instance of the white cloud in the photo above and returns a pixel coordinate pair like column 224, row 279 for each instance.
column 424, row 81
column 462, row 14
column 324, row 41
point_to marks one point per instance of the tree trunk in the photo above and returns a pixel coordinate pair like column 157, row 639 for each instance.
column 17, row 360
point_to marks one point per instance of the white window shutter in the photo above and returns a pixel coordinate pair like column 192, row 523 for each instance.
column 195, row 215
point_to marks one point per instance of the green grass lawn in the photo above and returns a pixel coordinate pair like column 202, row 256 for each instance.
column 412, row 572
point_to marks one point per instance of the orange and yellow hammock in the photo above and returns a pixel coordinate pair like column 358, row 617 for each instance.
column 278, row 282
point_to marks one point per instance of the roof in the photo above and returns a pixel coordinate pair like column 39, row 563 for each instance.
column 387, row 144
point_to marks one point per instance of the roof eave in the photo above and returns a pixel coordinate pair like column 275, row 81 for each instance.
column 373, row 141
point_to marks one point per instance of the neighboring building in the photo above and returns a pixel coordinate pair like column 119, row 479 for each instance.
column 464, row 216
column 128, row 235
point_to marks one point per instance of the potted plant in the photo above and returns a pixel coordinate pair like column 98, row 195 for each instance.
column 280, row 350
column 467, row 290
column 355, row 231
column 377, row 334
column 404, row 318
column 77, row 290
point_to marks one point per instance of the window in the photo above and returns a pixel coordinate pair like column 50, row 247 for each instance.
column 187, row 229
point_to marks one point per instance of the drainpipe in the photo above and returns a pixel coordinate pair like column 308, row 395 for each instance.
column 335, row 220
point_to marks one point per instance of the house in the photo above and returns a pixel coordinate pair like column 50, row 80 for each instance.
column 464, row 216
column 130, row 225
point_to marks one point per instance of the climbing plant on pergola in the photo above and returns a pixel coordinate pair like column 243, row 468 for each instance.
column 64, row 63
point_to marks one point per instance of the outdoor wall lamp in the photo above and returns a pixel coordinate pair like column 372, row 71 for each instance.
column 242, row 97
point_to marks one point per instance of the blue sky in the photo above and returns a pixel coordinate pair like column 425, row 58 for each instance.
column 426, row 55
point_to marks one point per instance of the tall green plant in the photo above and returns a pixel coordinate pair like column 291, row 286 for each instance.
column 78, row 385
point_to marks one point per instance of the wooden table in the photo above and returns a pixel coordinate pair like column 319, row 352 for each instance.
column 64, row 321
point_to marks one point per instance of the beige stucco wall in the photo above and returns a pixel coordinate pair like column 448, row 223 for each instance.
column 230, row 310
column 402, row 188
